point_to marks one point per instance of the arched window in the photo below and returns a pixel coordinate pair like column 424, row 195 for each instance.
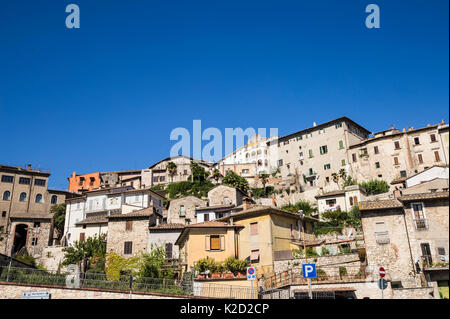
column 23, row 197
column 54, row 200
column 38, row 198
column 7, row 195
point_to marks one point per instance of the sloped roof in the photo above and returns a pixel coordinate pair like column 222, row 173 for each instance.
column 93, row 220
column 145, row 212
column 423, row 196
column 379, row 204
column 174, row 226
column 30, row 216
column 333, row 193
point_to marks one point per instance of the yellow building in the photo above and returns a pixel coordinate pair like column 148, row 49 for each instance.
column 267, row 232
column 257, row 234
column 218, row 240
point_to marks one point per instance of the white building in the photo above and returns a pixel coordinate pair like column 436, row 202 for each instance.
column 93, row 207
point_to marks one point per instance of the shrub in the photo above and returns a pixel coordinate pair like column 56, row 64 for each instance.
column 235, row 265
column 325, row 251
column 321, row 274
column 374, row 187
column 204, row 264
column 307, row 208
column 342, row 271
column 311, row 252
column 297, row 253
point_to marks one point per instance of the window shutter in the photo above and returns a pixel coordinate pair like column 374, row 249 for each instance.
column 222, row 242
column 207, row 243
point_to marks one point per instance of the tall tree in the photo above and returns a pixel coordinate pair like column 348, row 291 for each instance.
column 216, row 175
column 232, row 179
column 172, row 168
column 59, row 217
column 264, row 178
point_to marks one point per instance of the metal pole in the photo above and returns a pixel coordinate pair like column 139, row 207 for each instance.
column 10, row 262
column 310, row 288
column 251, row 285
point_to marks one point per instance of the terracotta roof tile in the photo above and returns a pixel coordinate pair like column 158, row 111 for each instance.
column 167, row 226
column 380, row 204
column 145, row 212
column 93, row 220
column 434, row 195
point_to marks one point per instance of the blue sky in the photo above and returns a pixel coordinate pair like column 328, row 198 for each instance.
column 106, row 96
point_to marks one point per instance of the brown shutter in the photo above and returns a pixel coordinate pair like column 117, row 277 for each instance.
column 420, row 158
column 436, row 156
column 81, row 236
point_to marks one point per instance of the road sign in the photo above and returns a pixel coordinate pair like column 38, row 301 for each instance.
column 382, row 272
column 309, row 271
column 36, row 295
column 251, row 273
column 382, row 284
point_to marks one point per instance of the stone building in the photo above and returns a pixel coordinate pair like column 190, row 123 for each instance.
column 306, row 159
column 25, row 201
column 159, row 174
column 182, row 210
column 225, row 195
column 394, row 154
column 409, row 237
column 128, row 234
column 92, row 209
column 343, row 199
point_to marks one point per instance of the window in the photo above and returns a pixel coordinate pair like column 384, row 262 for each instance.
column 7, row 195
column 182, row 210
column 38, row 198
column 341, row 145
column 169, row 250
column 4, row 213
column 254, row 256
column 7, row 179
column 214, row 242
column 23, row 197
column 327, row 179
column 381, row 233
column 419, row 216
column 311, row 154
column 36, row 224
column 441, row 251
column 436, row 156
column 155, row 179
column 311, row 172
column 426, row 253
column 206, row 217
column 185, row 172
column 81, row 181
column 397, row 145
column 34, row 241
column 377, row 165
column 162, row 178
column 54, row 200
column 39, row 182
column 376, row 150
column 323, row 150
column 301, row 155
column 396, row 160
column 226, row 200
column 416, row 141
column 354, row 157
column 245, row 171
column 338, row 125
column 127, row 247
column 433, row 138
column 343, row 162
column 82, row 235
column 254, row 229
column 327, row 166
column 420, row 158
column 402, row 173
column 24, row 180
column 91, row 181
column 129, row 225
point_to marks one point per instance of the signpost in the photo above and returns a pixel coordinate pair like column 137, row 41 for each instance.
column 382, row 283
column 251, row 275
column 36, row 295
column 309, row 271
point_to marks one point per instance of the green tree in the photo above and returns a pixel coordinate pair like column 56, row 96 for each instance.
column 85, row 250
column 232, row 179
column 264, row 178
column 216, row 175
column 307, row 208
column 59, row 216
column 374, row 186
column 199, row 174
column 172, row 169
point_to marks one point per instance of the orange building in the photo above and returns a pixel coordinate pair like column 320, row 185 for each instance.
column 86, row 182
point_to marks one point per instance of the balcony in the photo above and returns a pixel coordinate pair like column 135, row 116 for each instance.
column 421, row 224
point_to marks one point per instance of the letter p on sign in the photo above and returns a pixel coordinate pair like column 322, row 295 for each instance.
column 309, row 270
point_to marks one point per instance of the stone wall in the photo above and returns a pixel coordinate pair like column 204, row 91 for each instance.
column 14, row 291
column 413, row 293
column 189, row 203
column 52, row 258
column 330, row 264
column 118, row 235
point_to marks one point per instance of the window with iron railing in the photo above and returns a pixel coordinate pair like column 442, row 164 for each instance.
column 421, row 224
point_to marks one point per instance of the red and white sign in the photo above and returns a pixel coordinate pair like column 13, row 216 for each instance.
column 382, row 272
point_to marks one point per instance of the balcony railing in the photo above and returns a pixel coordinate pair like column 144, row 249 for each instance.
column 421, row 224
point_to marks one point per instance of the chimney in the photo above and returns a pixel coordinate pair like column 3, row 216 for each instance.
column 392, row 127
column 246, row 204
column 314, row 124
column 29, row 167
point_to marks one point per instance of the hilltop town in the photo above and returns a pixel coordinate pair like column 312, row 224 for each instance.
column 335, row 194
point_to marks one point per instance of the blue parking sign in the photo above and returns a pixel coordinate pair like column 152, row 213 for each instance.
column 309, row 271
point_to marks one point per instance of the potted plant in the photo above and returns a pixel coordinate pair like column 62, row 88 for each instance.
column 205, row 266
column 236, row 266
column 220, row 268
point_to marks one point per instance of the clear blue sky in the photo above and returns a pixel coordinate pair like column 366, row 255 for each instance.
column 106, row 96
